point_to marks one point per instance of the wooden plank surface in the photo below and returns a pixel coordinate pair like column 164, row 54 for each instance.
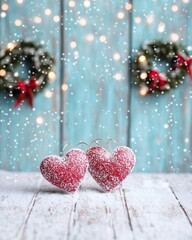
column 143, row 207
column 23, row 140
column 161, row 126
column 96, row 102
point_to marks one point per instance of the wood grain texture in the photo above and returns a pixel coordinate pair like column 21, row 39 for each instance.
column 24, row 143
column 161, row 127
column 144, row 207
column 96, row 103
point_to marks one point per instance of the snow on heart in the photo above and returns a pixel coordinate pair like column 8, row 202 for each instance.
column 66, row 172
column 109, row 170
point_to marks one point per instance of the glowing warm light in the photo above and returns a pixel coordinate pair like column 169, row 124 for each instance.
column 56, row 18
column 86, row 3
column 11, row 45
column 137, row 20
column 48, row 94
column 20, row 1
column 3, row 14
column 186, row 1
column 143, row 75
column 142, row 59
column 102, row 38
column 174, row 8
column 52, row 76
column 89, row 37
column 118, row 76
column 71, row 4
column 73, row 44
column 116, row 56
column 37, row 19
column 64, row 87
column 150, row 18
column 82, row 21
column 47, row 11
column 5, row 7
column 143, row 90
column 120, row 15
column 18, row 22
column 174, row 37
column 39, row 120
column 161, row 27
column 2, row 72
column 128, row 6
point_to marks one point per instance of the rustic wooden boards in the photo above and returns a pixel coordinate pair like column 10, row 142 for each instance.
column 144, row 207
column 24, row 141
column 161, row 127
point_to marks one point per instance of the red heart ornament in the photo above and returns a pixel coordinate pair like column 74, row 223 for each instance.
column 109, row 170
column 66, row 172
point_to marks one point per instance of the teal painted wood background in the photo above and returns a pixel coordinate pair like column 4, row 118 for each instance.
column 94, row 70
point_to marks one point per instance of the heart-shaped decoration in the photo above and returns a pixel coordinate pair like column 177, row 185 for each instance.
column 109, row 170
column 66, row 172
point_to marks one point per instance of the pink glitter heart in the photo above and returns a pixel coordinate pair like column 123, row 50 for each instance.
column 66, row 172
column 109, row 170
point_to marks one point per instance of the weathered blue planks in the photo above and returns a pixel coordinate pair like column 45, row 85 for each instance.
column 161, row 128
column 95, row 102
column 24, row 142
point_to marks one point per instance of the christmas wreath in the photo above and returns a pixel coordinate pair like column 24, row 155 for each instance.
column 33, row 61
column 174, row 60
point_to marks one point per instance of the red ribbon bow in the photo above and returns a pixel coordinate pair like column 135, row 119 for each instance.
column 26, row 90
column 156, row 80
column 182, row 62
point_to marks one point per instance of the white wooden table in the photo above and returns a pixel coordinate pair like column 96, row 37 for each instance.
column 146, row 206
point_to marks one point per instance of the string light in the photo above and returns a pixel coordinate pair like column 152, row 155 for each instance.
column 39, row 120
column 174, row 37
column 47, row 11
column 143, row 75
column 18, row 22
column 82, row 21
column 86, row 3
column 103, row 39
column 5, row 7
column 3, row 14
column 142, row 59
column 143, row 90
column 11, row 45
column 128, row 6
column 2, row 72
column 71, row 4
column 137, row 20
column 120, row 15
column 64, row 87
column 116, row 56
column 89, row 37
column 150, row 18
column 118, row 76
column 161, row 27
column 20, row 1
column 37, row 19
column 48, row 94
column 174, row 8
column 73, row 44
column 56, row 18
column 52, row 76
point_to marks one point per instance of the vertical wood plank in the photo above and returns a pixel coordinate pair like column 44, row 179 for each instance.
column 24, row 142
column 96, row 103
column 161, row 127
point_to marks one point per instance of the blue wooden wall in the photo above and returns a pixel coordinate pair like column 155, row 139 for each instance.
column 91, row 95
